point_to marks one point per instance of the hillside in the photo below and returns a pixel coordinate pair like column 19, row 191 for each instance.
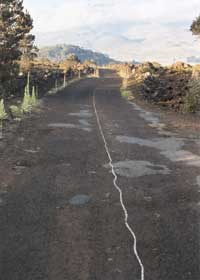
column 59, row 52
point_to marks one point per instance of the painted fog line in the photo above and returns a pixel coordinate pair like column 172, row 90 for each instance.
column 115, row 179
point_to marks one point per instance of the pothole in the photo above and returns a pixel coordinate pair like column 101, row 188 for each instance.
column 81, row 199
column 134, row 169
column 84, row 122
column 19, row 169
column 21, row 165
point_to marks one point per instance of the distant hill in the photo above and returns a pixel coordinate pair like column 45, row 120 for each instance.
column 60, row 52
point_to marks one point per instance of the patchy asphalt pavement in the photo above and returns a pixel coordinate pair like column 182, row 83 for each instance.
column 61, row 214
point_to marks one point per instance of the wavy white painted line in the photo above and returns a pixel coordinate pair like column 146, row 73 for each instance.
column 119, row 189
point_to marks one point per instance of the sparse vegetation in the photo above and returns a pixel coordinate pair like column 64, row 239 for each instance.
column 34, row 100
column 30, row 100
column 27, row 100
column 192, row 98
column 126, row 94
column 3, row 114
column 176, row 86
column 16, row 111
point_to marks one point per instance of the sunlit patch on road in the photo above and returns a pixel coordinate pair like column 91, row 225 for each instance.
column 135, row 168
column 82, row 114
column 70, row 125
column 148, row 116
column 162, row 144
column 183, row 156
column 170, row 147
column 62, row 125
column 153, row 120
column 31, row 151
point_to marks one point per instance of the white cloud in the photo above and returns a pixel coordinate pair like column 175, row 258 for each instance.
column 65, row 14
column 113, row 24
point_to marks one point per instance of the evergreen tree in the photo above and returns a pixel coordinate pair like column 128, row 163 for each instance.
column 15, row 40
column 195, row 27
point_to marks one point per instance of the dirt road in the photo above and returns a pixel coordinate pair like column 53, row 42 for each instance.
column 87, row 178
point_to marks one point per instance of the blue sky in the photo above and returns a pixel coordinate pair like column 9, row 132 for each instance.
column 128, row 29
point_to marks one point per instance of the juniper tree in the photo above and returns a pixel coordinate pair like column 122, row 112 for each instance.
column 15, row 40
column 195, row 27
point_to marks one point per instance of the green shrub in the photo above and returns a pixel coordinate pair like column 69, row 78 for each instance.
column 16, row 111
column 126, row 94
column 3, row 114
column 26, row 104
column 34, row 100
column 30, row 100
column 192, row 99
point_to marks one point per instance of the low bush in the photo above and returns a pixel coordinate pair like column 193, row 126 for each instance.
column 126, row 94
column 3, row 114
column 30, row 100
column 192, row 98
column 16, row 111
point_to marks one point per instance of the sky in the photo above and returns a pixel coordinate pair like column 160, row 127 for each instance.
column 155, row 30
